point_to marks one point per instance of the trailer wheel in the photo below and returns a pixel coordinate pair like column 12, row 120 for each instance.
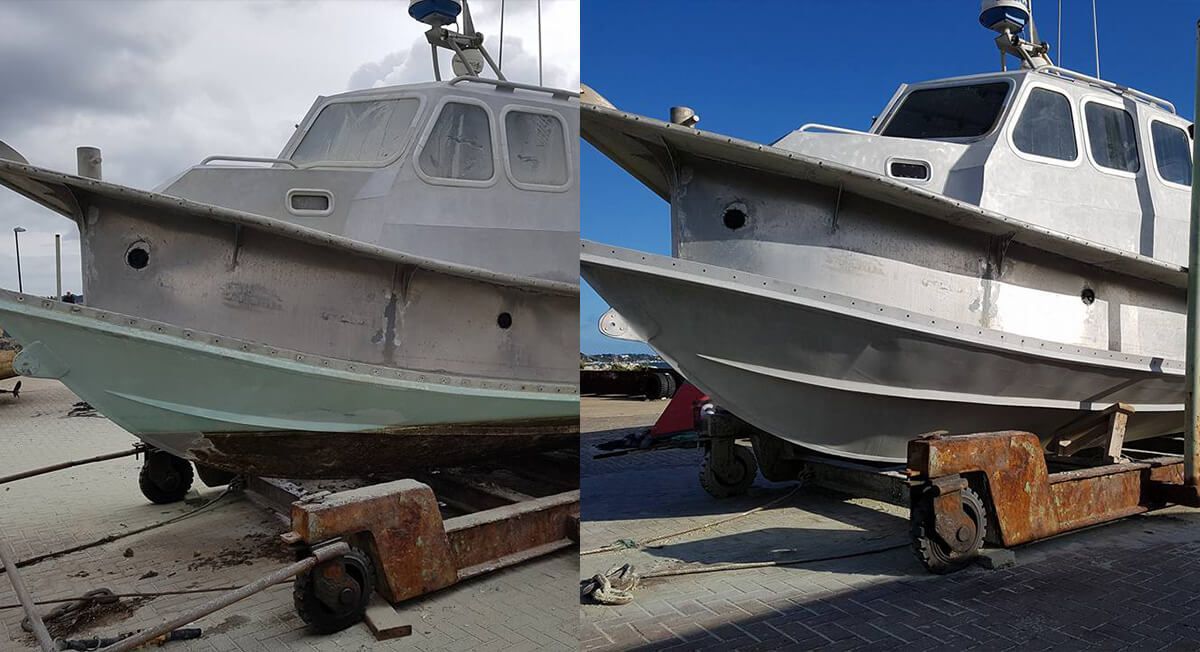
column 334, row 595
column 164, row 478
column 731, row 478
column 934, row 554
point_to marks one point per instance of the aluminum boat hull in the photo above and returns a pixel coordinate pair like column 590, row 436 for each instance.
column 253, row 408
column 259, row 346
column 860, row 379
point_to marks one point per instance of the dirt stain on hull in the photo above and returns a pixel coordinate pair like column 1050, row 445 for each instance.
column 309, row 454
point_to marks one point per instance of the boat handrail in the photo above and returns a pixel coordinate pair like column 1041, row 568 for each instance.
column 1117, row 88
column 503, row 83
column 816, row 126
column 249, row 159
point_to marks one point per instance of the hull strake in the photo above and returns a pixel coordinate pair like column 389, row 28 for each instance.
column 861, row 379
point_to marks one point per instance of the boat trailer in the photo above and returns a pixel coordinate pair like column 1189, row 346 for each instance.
column 967, row 491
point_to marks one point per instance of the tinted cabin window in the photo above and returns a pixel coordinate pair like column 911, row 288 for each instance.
column 949, row 112
column 460, row 144
column 358, row 131
column 1046, row 127
column 1171, row 153
column 1111, row 137
column 537, row 148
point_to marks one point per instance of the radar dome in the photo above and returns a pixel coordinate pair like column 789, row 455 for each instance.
column 1004, row 15
column 437, row 13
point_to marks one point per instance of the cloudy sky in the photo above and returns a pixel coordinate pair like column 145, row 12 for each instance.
column 160, row 85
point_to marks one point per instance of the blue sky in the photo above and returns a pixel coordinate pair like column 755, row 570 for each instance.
column 759, row 75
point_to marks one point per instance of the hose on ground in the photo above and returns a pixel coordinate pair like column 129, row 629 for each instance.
column 233, row 487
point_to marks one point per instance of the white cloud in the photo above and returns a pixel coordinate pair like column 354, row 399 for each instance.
column 159, row 86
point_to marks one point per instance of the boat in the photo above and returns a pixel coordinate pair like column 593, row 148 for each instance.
column 396, row 289
column 1000, row 251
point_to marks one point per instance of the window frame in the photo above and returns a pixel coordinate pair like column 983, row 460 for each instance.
column 434, row 116
column 1154, row 151
column 1087, row 137
column 1005, row 106
column 1076, row 121
column 311, row 120
column 566, row 132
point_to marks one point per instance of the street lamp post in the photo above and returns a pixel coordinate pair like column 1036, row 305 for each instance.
column 17, row 231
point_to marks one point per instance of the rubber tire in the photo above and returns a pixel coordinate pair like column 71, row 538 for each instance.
column 672, row 385
column 177, row 484
column 724, row 487
column 930, row 551
column 773, row 463
column 658, row 386
column 320, row 617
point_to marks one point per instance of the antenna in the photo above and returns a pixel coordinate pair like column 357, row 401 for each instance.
column 502, row 33
column 1009, row 18
column 469, row 53
column 1058, row 41
column 1096, row 38
column 539, row 12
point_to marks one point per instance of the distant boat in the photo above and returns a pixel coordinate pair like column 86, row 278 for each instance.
column 998, row 251
column 397, row 289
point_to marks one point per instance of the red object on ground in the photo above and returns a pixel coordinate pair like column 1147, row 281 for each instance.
column 682, row 413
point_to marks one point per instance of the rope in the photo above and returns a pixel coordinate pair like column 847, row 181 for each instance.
column 72, row 609
column 625, row 544
column 616, row 586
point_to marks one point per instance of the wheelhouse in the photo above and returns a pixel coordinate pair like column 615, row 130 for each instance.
column 1052, row 147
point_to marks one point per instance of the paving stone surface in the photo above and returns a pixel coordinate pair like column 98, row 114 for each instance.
column 1132, row 585
column 530, row 607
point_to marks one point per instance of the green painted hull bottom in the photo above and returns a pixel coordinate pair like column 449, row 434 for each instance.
column 251, row 408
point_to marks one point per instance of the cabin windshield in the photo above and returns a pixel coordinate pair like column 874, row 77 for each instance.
column 966, row 111
column 367, row 131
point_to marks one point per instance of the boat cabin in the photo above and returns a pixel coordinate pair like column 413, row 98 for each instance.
column 475, row 171
column 1048, row 146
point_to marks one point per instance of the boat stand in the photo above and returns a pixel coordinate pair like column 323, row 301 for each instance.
column 402, row 546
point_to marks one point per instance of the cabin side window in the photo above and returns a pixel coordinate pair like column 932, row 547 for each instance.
column 1171, row 153
column 967, row 111
column 1111, row 137
column 1046, row 127
column 358, row 131
column 537, row 148
column 460, row 144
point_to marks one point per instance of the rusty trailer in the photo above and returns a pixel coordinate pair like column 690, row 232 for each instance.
column 412, row 536
column 968, row 491
column 1004, row 489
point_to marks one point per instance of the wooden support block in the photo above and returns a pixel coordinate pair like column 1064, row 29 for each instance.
column 1105, row 430
column 384, row 622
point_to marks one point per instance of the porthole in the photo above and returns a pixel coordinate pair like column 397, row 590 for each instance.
column 1088, row 296
column 734, row 217
column 504, row 320
column 138, row 255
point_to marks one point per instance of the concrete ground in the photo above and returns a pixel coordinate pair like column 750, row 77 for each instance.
column 529, row 607
column 1131, row 585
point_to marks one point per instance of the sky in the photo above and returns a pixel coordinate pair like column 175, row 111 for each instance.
column 759, row 75
column 160, row 85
